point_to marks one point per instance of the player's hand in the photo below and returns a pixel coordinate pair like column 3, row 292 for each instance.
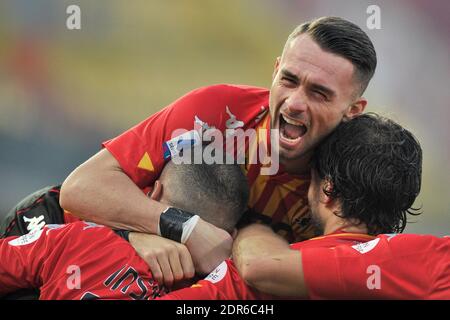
column 168, row 260
column 208, row 246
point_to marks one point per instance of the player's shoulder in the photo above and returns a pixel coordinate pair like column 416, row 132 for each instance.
column 416, row 242
column 75, row 227
column 233, row 94
column 413, row 237
column 217, row 102
column 233, row 89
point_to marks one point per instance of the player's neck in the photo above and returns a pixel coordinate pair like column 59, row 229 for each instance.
column 338, row 224
column 299, row 166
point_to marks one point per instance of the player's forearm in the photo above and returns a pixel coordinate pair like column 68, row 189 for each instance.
column 267, row 263
column 256, row 241
column 99, row 191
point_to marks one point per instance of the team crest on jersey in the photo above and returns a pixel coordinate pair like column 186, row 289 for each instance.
column 28, row 238
column 366, row 246
column 218, row 273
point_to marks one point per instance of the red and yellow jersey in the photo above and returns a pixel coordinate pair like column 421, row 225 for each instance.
column 349, row 266
column 280, row 199
column 142, row 151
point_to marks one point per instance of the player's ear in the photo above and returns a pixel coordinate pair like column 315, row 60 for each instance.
column 276, row 67
column 326, row 197
column 234, row 233
column 157, row 191
column 355, row 109
column 326, row 190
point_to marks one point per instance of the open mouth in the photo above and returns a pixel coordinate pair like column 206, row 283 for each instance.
column 291, row 131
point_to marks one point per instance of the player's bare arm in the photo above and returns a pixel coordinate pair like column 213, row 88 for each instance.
column 258, row 251
column 99, row 191
column 94, row 191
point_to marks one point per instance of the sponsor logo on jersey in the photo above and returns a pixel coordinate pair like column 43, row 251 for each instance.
column 235, row 145
column 28, row 238
column 366, row 246
column 233, row 122
column 218, row 273
column 35, row 223
column 202, row 124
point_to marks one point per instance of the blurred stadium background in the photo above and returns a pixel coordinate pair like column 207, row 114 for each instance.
column 63, row 92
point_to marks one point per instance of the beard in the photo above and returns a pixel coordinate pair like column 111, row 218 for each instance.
column 317, row 223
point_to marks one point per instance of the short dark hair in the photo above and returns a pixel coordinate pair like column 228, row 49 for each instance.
column 218, row 193
column 345, row 39
column 375, row 168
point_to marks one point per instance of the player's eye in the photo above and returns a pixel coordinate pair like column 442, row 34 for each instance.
column 320, row 95
column 288, row 80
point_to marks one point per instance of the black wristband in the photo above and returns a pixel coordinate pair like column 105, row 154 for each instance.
column 125, row 234
column 171, row 223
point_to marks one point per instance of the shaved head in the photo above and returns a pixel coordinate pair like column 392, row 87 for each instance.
column 218, row 193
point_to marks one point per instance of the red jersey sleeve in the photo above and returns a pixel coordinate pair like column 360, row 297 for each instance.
column 52, row 258
column 224, row 283
column 388, row 267
column 22, row 260
column 143, row 150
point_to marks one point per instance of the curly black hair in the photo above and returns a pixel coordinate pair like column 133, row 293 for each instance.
column 374, row 167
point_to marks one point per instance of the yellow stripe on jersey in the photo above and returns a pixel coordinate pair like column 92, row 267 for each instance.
column 259, row 141
column 278, row 195
column 295, row 211
column 257, row 189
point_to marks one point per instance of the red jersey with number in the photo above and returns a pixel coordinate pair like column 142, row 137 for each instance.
column 278, row 199
column 348, row 266
column 75, row 261
column 400, row 266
